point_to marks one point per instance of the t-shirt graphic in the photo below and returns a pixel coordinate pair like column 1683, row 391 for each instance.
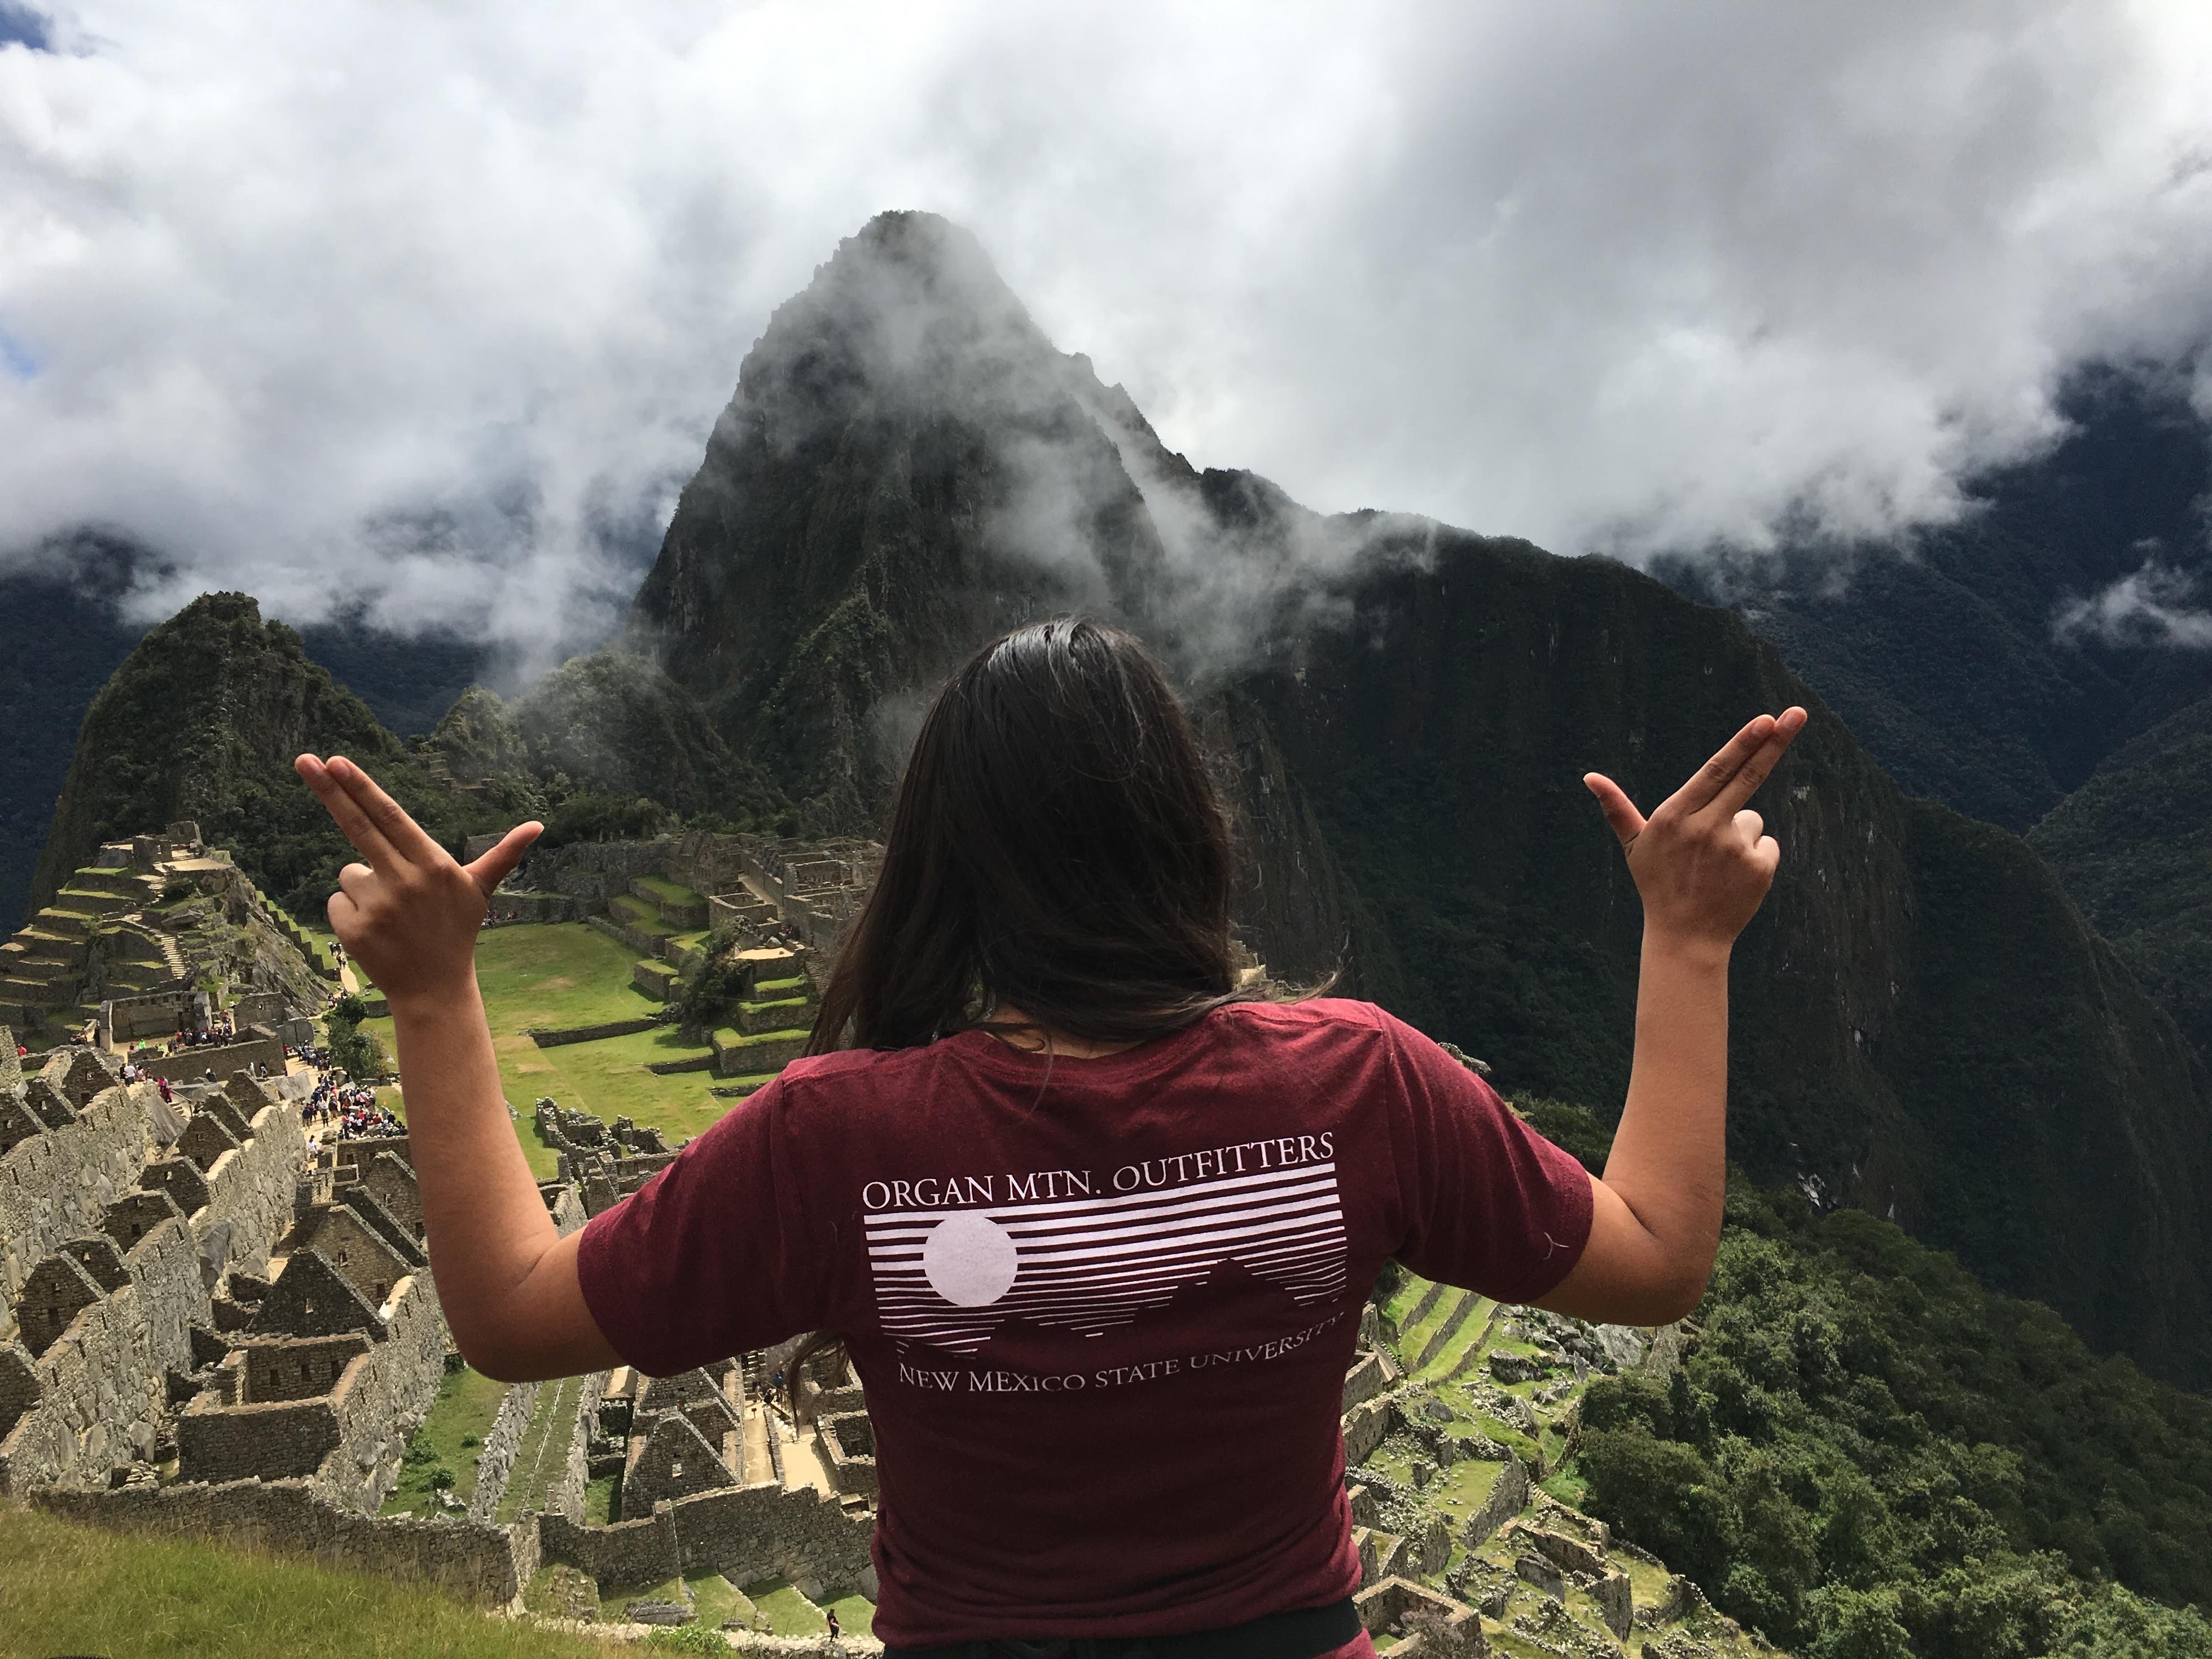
column 1087, row 1260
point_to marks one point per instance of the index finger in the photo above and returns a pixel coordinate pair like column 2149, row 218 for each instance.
column 1709, row 779
column 353, row 822
column 406, row 837
column 1754, row 771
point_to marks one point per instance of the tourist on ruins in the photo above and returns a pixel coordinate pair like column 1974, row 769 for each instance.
column 1095, row 1222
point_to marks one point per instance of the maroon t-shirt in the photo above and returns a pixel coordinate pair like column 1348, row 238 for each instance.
column 1102, row 1321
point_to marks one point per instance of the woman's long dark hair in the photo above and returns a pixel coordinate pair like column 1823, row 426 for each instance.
column 1057, row 847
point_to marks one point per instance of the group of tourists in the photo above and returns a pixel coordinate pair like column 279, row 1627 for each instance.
column 349, row 1111
column 220, row 1029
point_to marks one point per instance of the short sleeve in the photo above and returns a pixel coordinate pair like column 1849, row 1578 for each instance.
column 1490, row 1204
column 713, row 1255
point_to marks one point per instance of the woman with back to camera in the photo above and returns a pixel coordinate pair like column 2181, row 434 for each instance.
column 1096, row 1227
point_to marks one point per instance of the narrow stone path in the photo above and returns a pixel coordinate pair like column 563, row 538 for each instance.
column 759, row 1466
column 802, row 1465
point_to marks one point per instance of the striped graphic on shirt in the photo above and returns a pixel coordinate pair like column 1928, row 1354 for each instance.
column 950, row 1277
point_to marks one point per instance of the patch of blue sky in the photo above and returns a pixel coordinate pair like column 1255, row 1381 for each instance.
column 17, row 360
column 21, row 27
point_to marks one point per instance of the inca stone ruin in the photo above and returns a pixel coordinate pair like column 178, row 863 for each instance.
column 213, row 1326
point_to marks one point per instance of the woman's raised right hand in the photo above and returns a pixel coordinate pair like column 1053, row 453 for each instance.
column 1703, row 860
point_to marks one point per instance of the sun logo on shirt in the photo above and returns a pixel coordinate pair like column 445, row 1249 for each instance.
column 969, row 1259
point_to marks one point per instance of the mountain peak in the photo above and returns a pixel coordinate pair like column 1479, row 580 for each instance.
column 910, row 309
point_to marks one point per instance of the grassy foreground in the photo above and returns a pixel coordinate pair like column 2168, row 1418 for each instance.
column 67, row 1590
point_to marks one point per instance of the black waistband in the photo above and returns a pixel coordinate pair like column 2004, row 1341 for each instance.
column 1301, row 1633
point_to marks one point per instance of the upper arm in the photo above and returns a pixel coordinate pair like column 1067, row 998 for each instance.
column 1486, row 1202
column 546, row 1329
column 733, row 1245
column 1624, row 1275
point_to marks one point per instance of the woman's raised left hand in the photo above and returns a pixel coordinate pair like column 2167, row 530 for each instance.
column 409, row 913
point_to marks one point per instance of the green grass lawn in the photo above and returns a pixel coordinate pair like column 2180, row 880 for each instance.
column 68, row 1590
column 614, row 1599
column 1399, row 1302
column 789, row 1613
column 608, row 1077
column 467, row 1401
column 561, row 975
column 856, row 1615
column 715, row 1598
column 603, row 1499
column 669, row 891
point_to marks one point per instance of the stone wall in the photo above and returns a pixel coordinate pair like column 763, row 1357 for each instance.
column 534, row 906
column 475, row 1561
column 848, row 1449
column 101, row 1385
column 254, row 1186
column 565, row 1497
column 752, row 1057
column 349, row 1438
column 1507, row 1498
column 380, row 1406
column 626, row 1554
column 57, row 1185
column 268, row 1440
column 757, row 1531
column 263, row 1050
column 745, row 1533
column 156, row 1014
column 1368, row 1376
column 1365, row 1427
column 592, row 871
column 630, row 939
column 496, row 1461
column 554, row 1039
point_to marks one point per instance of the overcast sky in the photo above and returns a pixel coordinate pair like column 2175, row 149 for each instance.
column 432, row 304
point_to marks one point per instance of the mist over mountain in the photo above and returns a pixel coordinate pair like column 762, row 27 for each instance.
column 2043, row 665
column 1994, row 663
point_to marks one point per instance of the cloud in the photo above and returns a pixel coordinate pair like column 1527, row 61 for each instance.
column 2152, row 607
column 430, row 310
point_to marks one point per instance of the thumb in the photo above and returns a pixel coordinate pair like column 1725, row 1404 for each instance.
column 1619, row 811
column 498, row 863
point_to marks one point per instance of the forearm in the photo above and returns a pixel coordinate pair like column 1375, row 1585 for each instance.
column 488, row 1226
column 1670, row 1158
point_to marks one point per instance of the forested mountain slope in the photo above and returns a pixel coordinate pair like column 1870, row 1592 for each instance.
column 2133, row 846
